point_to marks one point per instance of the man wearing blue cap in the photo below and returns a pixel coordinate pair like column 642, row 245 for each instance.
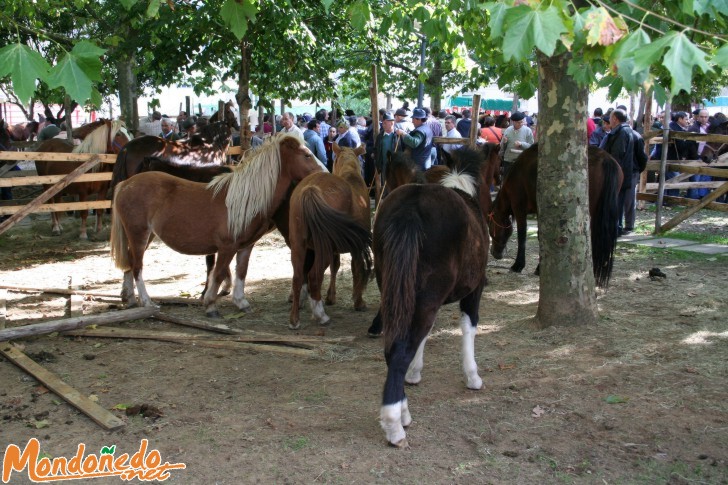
column 419, row 140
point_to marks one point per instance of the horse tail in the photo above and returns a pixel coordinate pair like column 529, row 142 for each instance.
column 604, row 223
column 397, row 262
column 332, row 231
column 118, row 240
column 120, row 173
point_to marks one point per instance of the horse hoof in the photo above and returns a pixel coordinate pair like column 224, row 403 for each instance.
column 516, row 269
column 361, row 308
column 213, row 314
column 324, row 322
column 401, row 444
column 330, row 301
column 295, row 326
column 371, row 334
column 224, row 293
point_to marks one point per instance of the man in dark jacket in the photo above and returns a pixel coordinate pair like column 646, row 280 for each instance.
column 419, row 140
column 698, row 151
column 620, row 144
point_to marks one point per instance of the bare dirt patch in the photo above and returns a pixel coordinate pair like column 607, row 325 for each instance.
column 638, row 398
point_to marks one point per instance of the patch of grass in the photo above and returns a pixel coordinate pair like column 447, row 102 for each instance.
column 703, row 238
column 296, row 443
column 633, row 252
column 654, row 471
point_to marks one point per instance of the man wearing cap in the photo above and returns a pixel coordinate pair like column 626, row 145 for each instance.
column 419, row 140
column 387, row 142
column 516, row 138
column 400, row 121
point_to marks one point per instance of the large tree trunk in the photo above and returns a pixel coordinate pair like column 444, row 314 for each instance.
column 243, row 94
column 128, row 92
column 434, row 86
column 566, row 295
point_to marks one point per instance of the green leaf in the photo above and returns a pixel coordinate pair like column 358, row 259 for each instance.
column 128, row 4
column 497, row 13
column 24, row 66
column 615, row 88
column 69, row 75
column 651, row 53
column 360, row 14
column 122, row 406
column 612, row 399
column 327, row 4
column 660, row 94
column 721, row 57
column 153, row 8
column 96, row 99
column 680, row 59
column 236, row 13
column 528, row 28
column 625, row 62
column 85, row 48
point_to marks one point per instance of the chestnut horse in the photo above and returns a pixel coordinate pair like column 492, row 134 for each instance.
column 209, row 147
column 226, row 216
column 517, row 199
column 102, row 136
column 330, row 214
column 22, row 131
column 430, row 248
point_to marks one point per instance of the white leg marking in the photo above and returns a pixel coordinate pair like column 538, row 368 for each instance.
column 472, row 379
column 414, row 373
column 239, row 295
column 319, row 314
column 391, row 420
column 406, row 416
column 142, row 290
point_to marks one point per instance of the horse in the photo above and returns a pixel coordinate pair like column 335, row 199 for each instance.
column 430, row 248
column 22, row 131
column 5, row 139
column 194, row 173
column 209, row 147
column 102, row 136
column 329, row 215
column 517, row 199
column 226, row 216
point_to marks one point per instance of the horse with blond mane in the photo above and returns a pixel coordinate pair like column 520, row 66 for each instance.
column 226, row 216
column 102, row 136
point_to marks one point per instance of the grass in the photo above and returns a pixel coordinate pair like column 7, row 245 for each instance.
column 636, row 252
column 654, row 471
column 295, row 444
column 703, row 238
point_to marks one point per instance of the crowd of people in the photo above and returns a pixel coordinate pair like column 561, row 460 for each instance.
column 615, row 132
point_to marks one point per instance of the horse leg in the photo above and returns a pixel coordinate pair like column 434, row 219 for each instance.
column 469, row 327
column 315, row 280
column 298, row 255
column 414, row 373
column 359, row 275
column 521, row 228
column 209, row 264
column 216, row 277
column 375, row 330
column 242, row 258
column 331, row 294
column 84, row 216
column 137, row 247
column 55, row 220
column 127, row 290
column 394, row 414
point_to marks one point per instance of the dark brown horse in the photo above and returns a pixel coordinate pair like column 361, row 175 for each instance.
column 228, row 117
column 517, row 199
column 430, row 249
column 194, row 173
column 102, row 136
column 330, row 215
column 207, row 148
column 22, row 131
column 225, row 217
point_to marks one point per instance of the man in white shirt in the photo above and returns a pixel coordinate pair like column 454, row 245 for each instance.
column 452, row 132
column 288, row 122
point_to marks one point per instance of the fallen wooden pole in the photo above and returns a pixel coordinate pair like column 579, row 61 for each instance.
column 74, row 323
column 56, row 291
column 190, row 322
column 54, row 383
column 231, row 343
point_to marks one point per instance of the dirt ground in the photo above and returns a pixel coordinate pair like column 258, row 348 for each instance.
column 641, row 397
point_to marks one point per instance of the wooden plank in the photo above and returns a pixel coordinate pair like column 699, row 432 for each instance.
column 654, row 165
column 3, row 307
column 52, row 179
column 706, row 137
column 74, row 323
column 716, row 206
column 58, row 157
column 55, row 291
column 230, row 343
column 60, row 207
column 684, row 185
column 99, row 415
column 235, row 150
column 712, row 196
column 443, row 140
column 190, row 322
column 83, row 168
column 701, row 169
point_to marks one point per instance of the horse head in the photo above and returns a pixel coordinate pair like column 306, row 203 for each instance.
column 347, row 159
column 297, row 161
column 399, row 170
column 500, row 228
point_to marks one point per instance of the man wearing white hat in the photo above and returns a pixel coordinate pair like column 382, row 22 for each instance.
column 516, row 138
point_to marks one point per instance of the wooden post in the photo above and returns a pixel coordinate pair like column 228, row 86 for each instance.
column 188, row 106
column 663, row 165
column 374, row 93
column 646, row 126
column 690, row 210
column 3, row 307
column 221, row 110
column 474, row 120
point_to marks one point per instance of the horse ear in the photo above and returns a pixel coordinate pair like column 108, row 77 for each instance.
column 336, row 148
column 360, row 150
column 447, row 157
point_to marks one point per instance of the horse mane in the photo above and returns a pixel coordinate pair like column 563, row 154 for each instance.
column 98, row 140
column 250, row 186
column 464, row 173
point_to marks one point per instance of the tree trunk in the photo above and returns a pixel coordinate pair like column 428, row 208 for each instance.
column 566, row 294
column 128, row 92
column 434, row 86
column 243, row 95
